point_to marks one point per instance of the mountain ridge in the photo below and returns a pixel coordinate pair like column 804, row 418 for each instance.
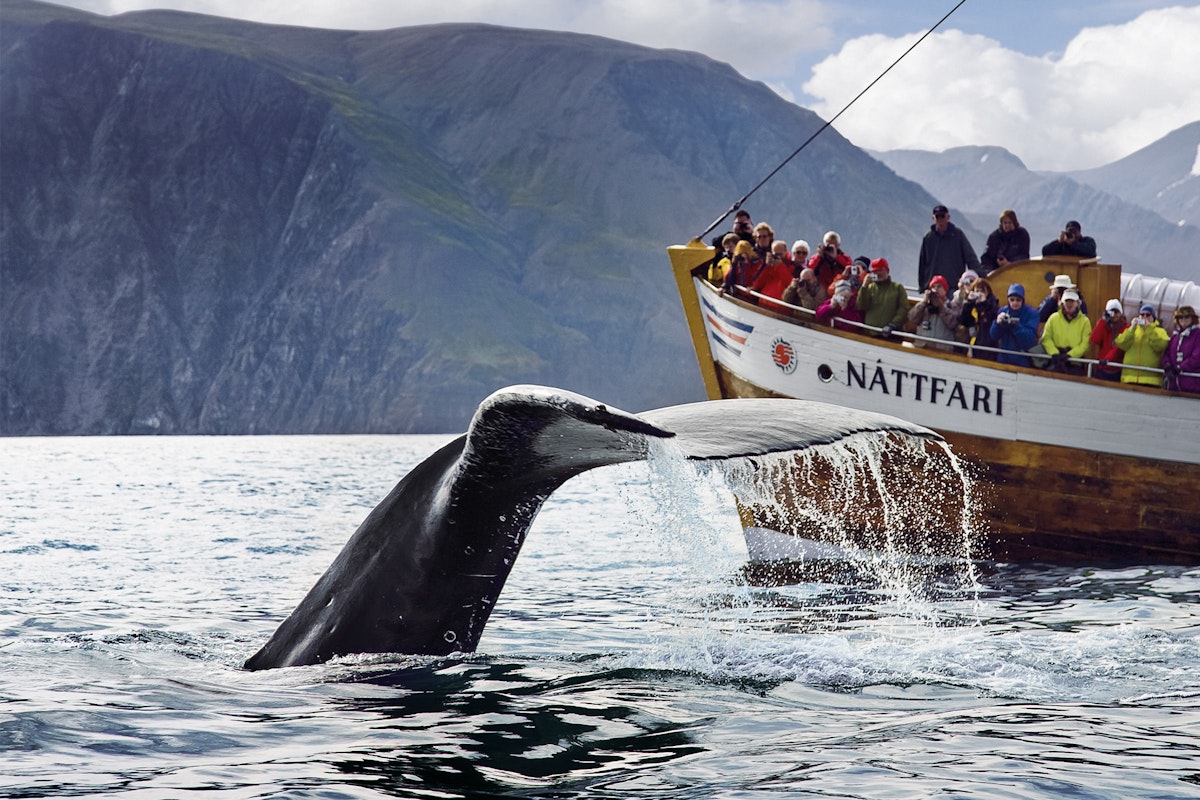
column 1164, row 176
column 218, row 227
column 982, row 181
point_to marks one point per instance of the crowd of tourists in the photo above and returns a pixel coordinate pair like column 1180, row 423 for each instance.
column 846, row 293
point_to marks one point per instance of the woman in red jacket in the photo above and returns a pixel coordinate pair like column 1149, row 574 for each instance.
column 1104, row 337
column 775, row 277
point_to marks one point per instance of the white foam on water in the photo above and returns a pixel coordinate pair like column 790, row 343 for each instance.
column 874, row 615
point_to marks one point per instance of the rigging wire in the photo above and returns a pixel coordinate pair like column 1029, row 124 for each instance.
column 738, row 204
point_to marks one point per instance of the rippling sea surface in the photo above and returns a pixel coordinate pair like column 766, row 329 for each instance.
column 628, row 657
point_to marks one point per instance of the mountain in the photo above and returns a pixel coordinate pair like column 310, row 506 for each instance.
column 212, row 226
column 984, row 181
column 1163, row 177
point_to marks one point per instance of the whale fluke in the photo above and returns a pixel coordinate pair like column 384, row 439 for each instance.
column 424, row 569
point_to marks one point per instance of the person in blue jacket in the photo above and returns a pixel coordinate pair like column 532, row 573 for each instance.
column 1015, row 328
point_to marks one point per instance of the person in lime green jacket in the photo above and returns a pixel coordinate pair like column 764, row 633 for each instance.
column 1068, row 334
column 1143, row 342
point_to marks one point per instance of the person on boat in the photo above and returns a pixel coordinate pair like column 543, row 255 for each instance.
column 1071, row 242
column 840, row 306
column 1068, row 334
column 743, row 229
column 799, row 255
column 745, row 268
column 965, row 281
column 1144, row 343
column 829, row 261
column 1183, row 352
column 945, row 250
column 1104, row 339
column 979, row 311
column 1015, row 328
column 1006, row 244
column 857, row 271
column 724, row 261
column 764, row 238
column 806, row 291
column 936, row 316
column 1061, row 284
column 882, row 301
column 775, row 276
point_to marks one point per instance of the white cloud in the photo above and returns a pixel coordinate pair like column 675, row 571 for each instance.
column 1113, row 90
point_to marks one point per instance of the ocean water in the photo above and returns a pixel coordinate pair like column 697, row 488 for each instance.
column 631, row 654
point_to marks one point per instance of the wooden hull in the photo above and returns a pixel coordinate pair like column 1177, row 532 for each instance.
column 1074, row 471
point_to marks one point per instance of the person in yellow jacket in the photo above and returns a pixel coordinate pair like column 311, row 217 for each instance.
column 1067, row 334
column 1143, row 342
column 724, row 261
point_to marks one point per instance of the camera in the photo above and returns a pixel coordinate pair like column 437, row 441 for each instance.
column 830, row 249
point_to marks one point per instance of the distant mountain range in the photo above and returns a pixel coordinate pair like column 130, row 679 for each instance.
column 1144, row 210
column 212, row 226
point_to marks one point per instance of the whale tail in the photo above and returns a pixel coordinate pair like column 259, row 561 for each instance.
column 425, row 568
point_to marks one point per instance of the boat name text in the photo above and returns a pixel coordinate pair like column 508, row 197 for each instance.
column 930, row 388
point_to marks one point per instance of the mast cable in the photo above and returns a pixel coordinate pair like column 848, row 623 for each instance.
column 833, row 119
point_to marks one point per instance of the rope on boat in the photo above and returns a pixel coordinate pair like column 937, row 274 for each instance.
column 738, row 204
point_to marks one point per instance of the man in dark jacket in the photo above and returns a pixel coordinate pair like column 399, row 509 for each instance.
column 1071, row 242
column 945, row 251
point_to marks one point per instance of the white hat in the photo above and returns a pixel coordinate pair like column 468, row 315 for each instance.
column 1062, row 282
column 1071, row 294
column 840, row 285
column 1113, row 305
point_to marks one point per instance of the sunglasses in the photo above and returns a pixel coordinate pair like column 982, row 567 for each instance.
column 1183, row 316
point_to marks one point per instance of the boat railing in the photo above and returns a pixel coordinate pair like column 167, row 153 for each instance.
column 964, row 348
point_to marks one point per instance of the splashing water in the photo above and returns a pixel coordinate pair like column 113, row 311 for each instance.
column 899, row 509
column 878, row 516
column 705, row 605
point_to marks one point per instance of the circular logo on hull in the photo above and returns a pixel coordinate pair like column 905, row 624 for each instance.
column 784, row 355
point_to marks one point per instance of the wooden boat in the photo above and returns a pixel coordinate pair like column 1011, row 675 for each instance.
column 1078, row 470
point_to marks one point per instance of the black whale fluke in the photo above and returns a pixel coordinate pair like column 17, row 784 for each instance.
column 424, row 569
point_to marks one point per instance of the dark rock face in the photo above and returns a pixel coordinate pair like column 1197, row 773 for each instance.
column 216, row 227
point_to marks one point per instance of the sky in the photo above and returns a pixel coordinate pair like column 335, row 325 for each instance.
column 1063, row 84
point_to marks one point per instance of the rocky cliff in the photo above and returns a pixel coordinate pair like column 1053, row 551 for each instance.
column 211, row 226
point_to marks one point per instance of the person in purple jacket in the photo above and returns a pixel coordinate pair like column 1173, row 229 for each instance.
column 1015, row 328
column 1183, row 352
